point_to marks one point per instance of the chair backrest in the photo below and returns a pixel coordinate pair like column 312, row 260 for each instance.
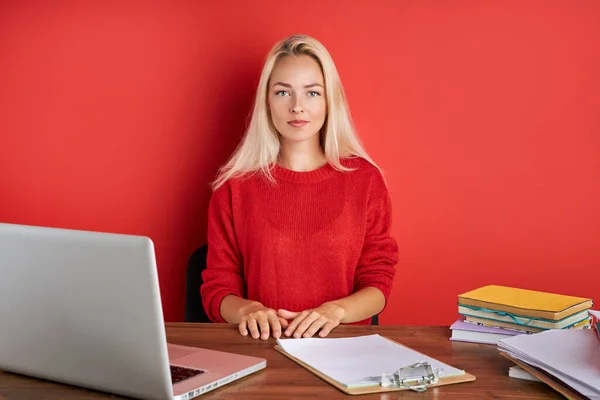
column 194, row 310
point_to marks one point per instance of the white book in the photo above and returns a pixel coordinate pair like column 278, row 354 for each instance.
column 517, row 372
column 466, row 332
column 478, row 337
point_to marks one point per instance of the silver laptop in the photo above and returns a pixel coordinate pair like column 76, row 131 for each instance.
column 84, row 308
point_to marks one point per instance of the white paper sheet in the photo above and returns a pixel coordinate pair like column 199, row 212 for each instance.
column 350, row 360
column 567, row 380
column 572, row 355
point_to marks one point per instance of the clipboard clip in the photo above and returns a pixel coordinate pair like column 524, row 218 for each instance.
column 415, row 377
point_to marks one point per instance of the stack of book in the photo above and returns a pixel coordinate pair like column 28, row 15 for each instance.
column 493, row 312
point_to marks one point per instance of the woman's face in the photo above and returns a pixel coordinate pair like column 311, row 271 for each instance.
column 297, row 98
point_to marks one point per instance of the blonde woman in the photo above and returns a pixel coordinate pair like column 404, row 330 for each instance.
column 300, row 217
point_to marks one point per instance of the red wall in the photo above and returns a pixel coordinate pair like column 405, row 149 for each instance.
column 485, row 117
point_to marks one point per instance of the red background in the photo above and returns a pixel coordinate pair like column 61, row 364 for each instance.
column 484, row 115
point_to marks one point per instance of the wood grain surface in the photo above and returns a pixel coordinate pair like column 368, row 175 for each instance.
column 284, row 379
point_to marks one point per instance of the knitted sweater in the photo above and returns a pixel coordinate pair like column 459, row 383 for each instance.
column 310, row 238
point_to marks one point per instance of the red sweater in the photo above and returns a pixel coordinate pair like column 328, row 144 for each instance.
column 310, row 238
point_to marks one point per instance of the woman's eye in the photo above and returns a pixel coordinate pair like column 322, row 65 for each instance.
column 282, row 93
column 314, row 94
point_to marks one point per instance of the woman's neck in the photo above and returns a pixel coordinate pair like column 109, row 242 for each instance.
column 301, row 156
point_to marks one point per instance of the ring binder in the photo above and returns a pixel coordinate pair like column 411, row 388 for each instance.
column 415, row 377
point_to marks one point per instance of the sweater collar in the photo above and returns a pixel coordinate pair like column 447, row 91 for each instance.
column 313, row 176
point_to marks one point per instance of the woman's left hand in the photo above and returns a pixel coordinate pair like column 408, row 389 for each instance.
column 307, row 323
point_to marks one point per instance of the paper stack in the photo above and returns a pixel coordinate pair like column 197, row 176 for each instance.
column 568, row 360
column 493, row 312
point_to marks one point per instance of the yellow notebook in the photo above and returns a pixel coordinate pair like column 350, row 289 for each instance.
column 525, row 302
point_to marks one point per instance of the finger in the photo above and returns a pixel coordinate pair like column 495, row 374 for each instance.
column 327, row 328
column 275, row 325
column 253, row 327
column 243, row 327
column 306, row 322
column 294, row 324
column 314, row 327
column 283, row 322
column 263, row 324
column 289, row 315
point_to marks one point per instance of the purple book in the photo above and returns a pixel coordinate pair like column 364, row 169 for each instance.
column 467, row 332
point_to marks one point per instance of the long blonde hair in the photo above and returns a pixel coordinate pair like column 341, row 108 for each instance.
column 259, row 148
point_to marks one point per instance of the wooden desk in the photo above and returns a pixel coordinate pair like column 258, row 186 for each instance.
column 283, row 379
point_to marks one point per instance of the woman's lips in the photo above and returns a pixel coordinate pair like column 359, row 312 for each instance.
column 297, row 123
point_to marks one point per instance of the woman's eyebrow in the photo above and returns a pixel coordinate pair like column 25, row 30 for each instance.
column 287, row 85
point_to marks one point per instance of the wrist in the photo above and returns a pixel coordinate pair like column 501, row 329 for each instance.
column 339, row 310
column 249, row 307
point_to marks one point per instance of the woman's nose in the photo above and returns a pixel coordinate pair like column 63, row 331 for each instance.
column 296, row 106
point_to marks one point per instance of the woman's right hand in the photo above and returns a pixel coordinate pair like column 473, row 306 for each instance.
column 261, row 322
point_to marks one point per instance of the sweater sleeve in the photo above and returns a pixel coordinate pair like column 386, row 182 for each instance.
column 377, row 263
column 224, row 271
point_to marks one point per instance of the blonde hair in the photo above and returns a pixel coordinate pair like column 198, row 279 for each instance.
column 259, row 148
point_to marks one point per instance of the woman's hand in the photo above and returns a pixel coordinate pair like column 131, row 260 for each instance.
column 306, row 323
column 261, row 322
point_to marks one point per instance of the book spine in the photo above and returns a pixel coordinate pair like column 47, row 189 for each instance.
column 516, row 318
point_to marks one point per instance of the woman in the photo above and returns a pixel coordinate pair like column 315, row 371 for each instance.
column 300, row 217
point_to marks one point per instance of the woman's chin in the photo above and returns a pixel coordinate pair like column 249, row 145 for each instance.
column 298, row 136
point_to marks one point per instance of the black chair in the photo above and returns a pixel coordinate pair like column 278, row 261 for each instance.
column 375, row 319
column 194, row 310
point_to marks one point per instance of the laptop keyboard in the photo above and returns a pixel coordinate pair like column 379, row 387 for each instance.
column 179, row 374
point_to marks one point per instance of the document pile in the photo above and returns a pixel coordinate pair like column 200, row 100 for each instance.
column 568, row 360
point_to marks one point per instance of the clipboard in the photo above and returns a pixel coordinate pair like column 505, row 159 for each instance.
column 549, row 380
column 442, row 381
